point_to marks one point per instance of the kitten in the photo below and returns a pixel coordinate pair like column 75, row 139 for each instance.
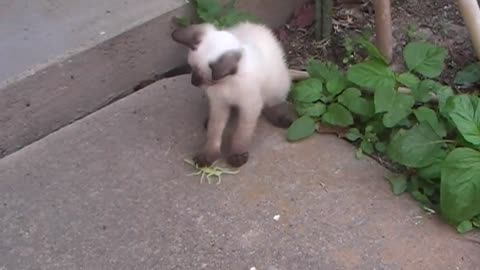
column 241, row 67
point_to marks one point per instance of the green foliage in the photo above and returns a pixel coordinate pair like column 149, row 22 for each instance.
column 212, row 11
column 469, row 75
column 437, row 143
column 302, row 128
column 460, row 185
column 425, row 58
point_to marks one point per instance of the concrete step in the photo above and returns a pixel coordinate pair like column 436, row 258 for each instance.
column 61, row 60
column 111, row 191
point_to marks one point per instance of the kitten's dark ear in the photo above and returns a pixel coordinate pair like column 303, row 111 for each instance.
column 226, row 65
column 189, row 36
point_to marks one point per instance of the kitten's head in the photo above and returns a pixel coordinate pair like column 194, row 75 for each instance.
column 213, row 55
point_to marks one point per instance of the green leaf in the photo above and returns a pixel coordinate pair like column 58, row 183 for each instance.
column 469, row 75
column 372, row 50
column 309, row 90
column 425, row 58
column 443, row 94
column 433, row 171
column 353, row 134
column 301, row 128
column 398, row 183
column 336, row 85
column 209, row 10
column 396, row 105
column 460, row 185
column 465, row 226
column 428, row 115
column 352, row 99
column 372, row 75
column 323, row 71
column 423, row 92
column 409, row 80
column 337, row 115
column 381, row 147
column 310, row 109
column 417, row 147
column 465, row 114
column 367, row 147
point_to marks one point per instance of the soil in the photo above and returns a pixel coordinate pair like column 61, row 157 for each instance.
column 436, row 21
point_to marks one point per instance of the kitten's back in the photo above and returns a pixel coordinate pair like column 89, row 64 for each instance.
column 272, row 64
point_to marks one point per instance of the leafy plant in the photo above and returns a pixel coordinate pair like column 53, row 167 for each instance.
column 212, row 11
column 430, row 132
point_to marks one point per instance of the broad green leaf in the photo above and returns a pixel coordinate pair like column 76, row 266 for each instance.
column 417, row 147
column 310, row 109
column 384, row 99
column 443, row 94
column 460, row 185
column 337, row 115
column 351, row 98
column 301, row 128
column 433, row 171
column 469, row 75
column 465, row 114
column 353, row 134
column 428, row 115
column 422, row 93
column 367, row 147
column 425, row 58
column 372, row 50
column 398, row 183
column 372, row 75
column 323, row 71
column 337, row 85
column 381, row 147
column 309, row 90
column 396, row 105
column 465, row 226
column 409, row 80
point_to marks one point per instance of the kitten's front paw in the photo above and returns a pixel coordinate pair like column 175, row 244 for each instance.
column 204, row 159
column 237, row 160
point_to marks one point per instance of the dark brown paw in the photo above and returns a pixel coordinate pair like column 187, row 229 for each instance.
column 282, row 122
column 237, row 160
column 204, row 160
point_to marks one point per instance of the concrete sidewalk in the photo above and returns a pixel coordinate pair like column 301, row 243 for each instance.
column 111, row 192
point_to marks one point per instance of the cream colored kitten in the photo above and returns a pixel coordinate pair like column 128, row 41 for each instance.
column 242, row 67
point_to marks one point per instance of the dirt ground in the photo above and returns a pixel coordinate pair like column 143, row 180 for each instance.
column 436, row 21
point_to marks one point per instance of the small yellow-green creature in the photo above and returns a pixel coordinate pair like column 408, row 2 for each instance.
column 209, row 171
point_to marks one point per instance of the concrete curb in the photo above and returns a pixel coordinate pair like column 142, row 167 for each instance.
column 60, row 93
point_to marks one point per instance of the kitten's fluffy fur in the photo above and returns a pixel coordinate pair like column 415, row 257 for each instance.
column 243, row 67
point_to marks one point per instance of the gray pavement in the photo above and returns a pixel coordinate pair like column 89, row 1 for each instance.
column 110, row 192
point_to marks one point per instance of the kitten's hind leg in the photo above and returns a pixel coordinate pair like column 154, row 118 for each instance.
column 278, row 115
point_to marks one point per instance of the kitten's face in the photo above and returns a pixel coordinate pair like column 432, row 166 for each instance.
column 213, row 54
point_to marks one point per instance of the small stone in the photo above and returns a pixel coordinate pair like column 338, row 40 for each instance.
column 276, row 217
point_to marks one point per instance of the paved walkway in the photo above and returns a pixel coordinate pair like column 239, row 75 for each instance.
column 111, row 192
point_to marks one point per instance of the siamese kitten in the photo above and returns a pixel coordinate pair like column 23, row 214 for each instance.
column 242, row 67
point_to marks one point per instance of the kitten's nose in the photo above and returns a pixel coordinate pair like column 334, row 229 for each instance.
column 196, row 79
